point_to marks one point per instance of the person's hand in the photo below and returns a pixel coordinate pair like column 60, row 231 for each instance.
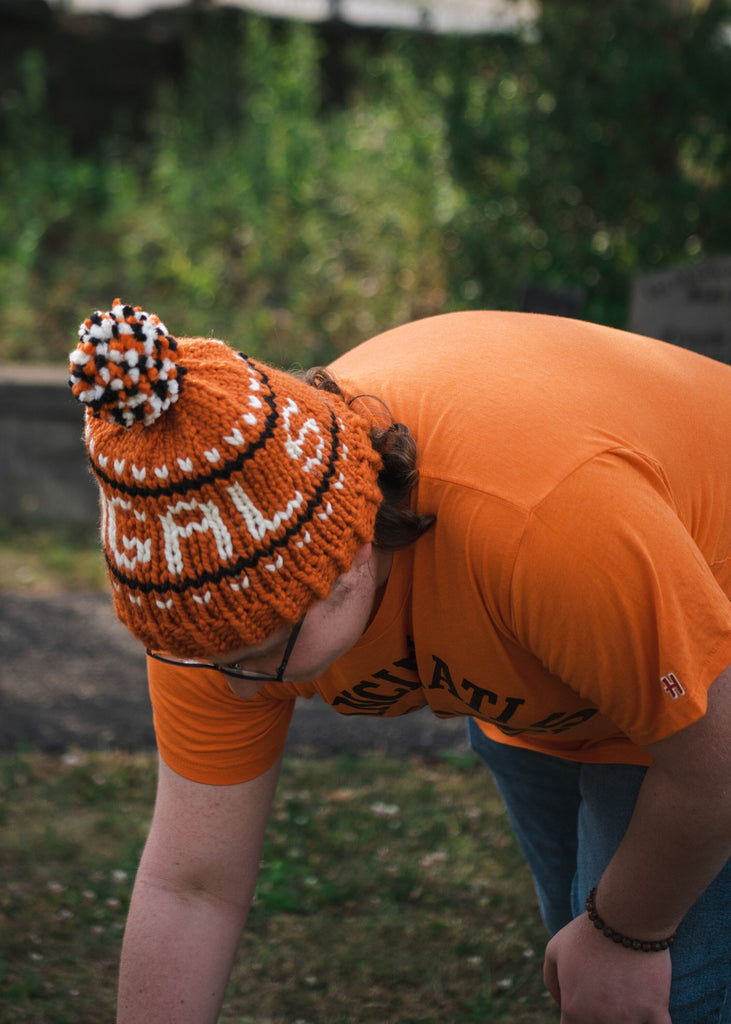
column 596, row 981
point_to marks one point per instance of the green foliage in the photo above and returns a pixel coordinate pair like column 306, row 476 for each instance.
column 597, row 153
column 452, row 173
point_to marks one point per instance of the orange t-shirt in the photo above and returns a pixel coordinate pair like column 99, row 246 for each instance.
column 573, row 595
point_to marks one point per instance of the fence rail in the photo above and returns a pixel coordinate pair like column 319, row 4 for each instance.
column 440, row 16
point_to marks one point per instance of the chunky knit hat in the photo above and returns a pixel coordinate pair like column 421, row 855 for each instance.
column 232, row 494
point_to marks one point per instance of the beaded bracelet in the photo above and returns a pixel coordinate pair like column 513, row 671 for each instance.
column 644, row 946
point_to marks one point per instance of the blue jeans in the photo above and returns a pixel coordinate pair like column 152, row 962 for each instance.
column 569, row 819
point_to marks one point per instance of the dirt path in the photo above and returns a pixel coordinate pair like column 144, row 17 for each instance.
column 71, row 676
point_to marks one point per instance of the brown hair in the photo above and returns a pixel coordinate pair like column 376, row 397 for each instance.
column 397, row 525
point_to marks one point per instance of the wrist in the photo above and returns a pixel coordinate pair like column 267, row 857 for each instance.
column 627, row 941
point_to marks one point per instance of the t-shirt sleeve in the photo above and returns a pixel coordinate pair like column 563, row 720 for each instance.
column 207, row 734
column 611, row 593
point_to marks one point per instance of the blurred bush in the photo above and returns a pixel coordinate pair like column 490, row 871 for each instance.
column 252, row 204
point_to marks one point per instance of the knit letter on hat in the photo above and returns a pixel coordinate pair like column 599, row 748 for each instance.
column 232, row 494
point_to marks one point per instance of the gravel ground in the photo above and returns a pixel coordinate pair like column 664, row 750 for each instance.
column 72, row 677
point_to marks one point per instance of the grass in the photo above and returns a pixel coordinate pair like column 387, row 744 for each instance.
column 391, row 890
column 48, row 559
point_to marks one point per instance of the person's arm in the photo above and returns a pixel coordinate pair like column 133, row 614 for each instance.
column 678, row 840
column 190, row 900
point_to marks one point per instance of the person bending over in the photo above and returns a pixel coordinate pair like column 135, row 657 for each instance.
column 519, row 519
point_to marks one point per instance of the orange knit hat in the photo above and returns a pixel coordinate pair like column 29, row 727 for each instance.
column 232, row 494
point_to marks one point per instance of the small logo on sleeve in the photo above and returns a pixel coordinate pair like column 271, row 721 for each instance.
column 672, row 686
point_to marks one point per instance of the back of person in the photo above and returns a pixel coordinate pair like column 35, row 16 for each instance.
column 512, row 404
column 578, row 478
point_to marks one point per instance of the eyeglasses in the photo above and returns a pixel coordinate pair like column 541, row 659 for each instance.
column 233, row 670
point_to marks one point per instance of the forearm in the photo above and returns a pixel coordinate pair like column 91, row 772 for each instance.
column 176, row 957
column 677, row 842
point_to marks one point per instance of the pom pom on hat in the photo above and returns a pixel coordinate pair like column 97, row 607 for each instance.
column 231, row 500
column 124, row 367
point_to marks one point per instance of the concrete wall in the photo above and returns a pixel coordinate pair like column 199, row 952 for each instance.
column 45, row 475
column 688, row 306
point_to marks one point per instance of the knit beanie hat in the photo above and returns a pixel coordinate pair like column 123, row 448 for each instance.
column 232, row 494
